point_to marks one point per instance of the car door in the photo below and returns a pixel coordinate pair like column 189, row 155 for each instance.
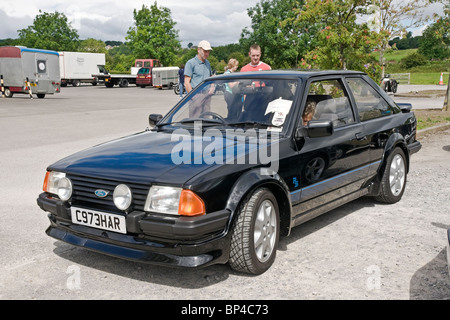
column 330, row 168
column 373, row 113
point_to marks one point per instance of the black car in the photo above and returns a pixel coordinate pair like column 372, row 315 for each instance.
column 236, row 164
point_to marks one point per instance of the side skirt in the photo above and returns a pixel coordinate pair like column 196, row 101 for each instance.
column 313, row 213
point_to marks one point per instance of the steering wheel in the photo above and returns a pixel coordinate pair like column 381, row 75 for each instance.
column 213, row 115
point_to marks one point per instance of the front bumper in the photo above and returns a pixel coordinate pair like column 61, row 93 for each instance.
column 146, row 82
column 414, row 147
column 179, row 241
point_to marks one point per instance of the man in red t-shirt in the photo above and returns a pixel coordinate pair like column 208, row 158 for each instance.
column 255, row 64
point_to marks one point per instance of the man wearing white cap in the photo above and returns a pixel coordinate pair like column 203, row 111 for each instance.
column 198, row 68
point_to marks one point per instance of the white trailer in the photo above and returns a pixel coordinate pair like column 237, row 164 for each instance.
column 79, row 67
column 29, row 71
column 165, row 77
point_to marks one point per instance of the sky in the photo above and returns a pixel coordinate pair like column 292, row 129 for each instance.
column 220, row 21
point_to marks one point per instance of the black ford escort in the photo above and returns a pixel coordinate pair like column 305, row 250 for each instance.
column 236, row 164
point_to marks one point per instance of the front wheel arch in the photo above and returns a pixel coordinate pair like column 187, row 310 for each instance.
column 252, row 180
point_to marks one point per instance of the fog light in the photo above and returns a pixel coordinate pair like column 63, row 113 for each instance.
column 122, row 197
column 64, row 189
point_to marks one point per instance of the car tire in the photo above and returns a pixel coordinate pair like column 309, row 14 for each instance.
column 255, row 233
column 393, row 182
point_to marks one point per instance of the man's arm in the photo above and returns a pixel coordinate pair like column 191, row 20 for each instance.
column 187, row 83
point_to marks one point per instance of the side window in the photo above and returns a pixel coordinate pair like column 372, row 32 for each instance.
column 369, row 103
column 147, row 64
column 327, row 100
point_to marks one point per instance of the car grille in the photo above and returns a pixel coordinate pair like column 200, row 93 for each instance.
column 84, row 192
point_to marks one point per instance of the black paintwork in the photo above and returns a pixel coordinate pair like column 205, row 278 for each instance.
column 351, row 159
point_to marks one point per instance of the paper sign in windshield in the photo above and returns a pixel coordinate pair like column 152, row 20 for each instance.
column 280, row 108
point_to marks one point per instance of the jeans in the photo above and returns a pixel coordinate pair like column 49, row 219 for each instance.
column 181, row 89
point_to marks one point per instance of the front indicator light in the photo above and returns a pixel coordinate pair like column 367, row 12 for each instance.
column 191, row 204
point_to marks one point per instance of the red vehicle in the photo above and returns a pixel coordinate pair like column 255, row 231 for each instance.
column 144, row 74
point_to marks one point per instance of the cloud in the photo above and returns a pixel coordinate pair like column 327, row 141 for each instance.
column 10, row 25
column 220, row 22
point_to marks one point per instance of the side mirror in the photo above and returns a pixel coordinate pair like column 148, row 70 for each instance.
column 317, row 129
column 154, row 118
column 299, row 133
column 405, row 107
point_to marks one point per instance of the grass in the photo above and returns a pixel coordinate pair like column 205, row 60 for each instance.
column 427, row 74
column 431, row 118
column 428, row 78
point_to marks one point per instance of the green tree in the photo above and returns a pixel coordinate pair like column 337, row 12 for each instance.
column 435, row 42
column 340, row 42
column 92, row 45
column 153, row 34
column 273, row 27
column 50, row 31
column 393, row 17
column 412, row 60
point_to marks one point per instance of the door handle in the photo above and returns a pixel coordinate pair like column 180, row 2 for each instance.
column 360, row 136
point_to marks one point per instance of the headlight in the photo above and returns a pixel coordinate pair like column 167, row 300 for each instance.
column 163, row 200
column 122, row 197
column 64, row 189
column 174, row 201
column 57, row 183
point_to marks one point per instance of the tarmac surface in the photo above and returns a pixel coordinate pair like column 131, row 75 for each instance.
column 405, row 94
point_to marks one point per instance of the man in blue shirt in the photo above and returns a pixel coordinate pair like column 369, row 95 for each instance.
column 198, row 68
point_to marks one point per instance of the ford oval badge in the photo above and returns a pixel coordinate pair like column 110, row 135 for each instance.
column 101, row 193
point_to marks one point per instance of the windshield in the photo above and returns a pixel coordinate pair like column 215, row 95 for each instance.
column 237, row 102
column 143, row 71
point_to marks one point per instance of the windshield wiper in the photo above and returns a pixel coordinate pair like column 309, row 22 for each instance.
column 252, row 123
column 192, row 120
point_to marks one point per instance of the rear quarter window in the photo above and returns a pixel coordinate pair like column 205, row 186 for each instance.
column 369, row 103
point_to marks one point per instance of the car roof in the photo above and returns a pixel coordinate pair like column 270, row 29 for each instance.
column 304, row 74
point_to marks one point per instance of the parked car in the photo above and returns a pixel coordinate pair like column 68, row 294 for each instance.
column 233, row 166
column 144, row 77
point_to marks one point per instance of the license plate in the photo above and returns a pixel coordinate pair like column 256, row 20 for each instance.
column 142, row 77
column 100, row 220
